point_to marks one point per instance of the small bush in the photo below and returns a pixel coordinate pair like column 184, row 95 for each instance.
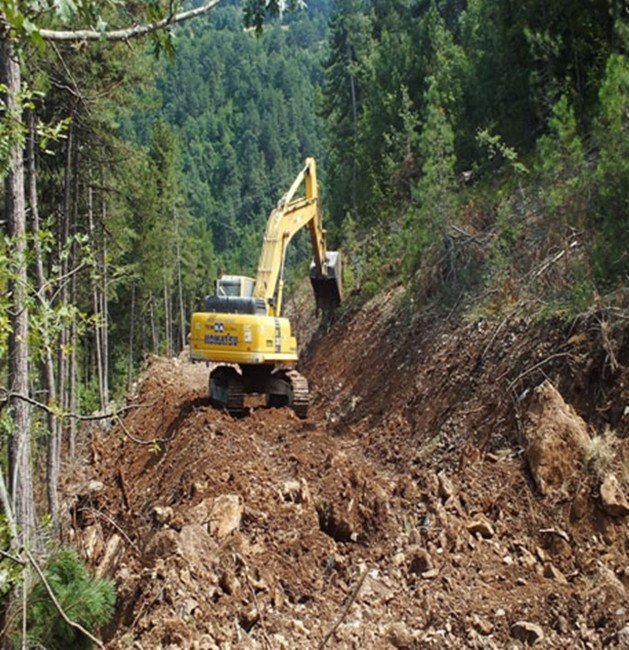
column 86, row 600
column 601, row 454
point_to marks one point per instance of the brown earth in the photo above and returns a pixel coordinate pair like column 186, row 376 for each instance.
column 405, row 512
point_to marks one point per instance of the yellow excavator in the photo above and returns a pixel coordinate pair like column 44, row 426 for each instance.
column 241, row 327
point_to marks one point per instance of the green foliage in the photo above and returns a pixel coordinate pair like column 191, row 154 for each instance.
column 561, row 164
column 611, row 177
column 242, row 109
column 509, row 229
column 12, row 131
column 352, row 261
column 5, row 274
column 86, row 600
column 417, row 92
column 349, row 43
column 433, row 193
column 88, row 397
column 575, row 301
column 10, row 571
column 498, row 149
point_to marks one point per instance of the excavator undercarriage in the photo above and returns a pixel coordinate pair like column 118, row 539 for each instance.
column 282, row 387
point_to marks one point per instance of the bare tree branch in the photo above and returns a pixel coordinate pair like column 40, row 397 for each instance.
column 128, row 32
column 115, row 525
column 5, row 501
column 535, row 367
column 151, row 442
column 60, row 281
column 13, row 558
column 76, row 416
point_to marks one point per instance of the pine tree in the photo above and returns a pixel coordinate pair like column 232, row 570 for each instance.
column 433, row 194
column 350, row 28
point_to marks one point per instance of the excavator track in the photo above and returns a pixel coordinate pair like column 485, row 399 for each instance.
column 301, row 394
column 235, row 400
column 226, row 390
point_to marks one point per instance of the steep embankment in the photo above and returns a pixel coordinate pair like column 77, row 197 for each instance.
column 433, row 498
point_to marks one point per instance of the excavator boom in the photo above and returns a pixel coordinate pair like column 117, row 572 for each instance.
column 291, row 215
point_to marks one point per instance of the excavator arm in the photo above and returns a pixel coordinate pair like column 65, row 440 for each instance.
column 291, row 215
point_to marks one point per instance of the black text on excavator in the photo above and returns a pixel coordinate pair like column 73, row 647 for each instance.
column 241, row 324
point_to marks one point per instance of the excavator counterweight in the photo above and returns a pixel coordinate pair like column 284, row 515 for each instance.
column 242, row 325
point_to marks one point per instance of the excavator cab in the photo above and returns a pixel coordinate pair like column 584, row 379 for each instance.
column 233, row 294
column 327, row 284
column 240, row 286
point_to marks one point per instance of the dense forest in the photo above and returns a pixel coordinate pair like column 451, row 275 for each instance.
column 436, row 111
column 244, row 109
column 460, row 143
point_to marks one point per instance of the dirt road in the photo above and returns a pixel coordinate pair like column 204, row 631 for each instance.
column 407, row 511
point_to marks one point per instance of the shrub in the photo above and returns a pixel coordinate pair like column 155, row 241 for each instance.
column 86, row 600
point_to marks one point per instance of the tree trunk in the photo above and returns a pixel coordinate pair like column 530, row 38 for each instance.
column 131, row 333
column 33, row 202
column 21, row 477
column 352, row 87
column 72, row 371
column 62, row 364
column 96, row 303
column 74, row 341
column 182, row 317
column 153, row 326
column 167, row 318
column 53, row 458
column 104, row 303
column 40, row 286
column 40, row 282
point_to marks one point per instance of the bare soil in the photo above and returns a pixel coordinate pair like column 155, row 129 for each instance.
column 405, row 512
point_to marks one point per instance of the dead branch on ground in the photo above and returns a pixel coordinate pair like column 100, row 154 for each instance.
column 533, row 368
column 138, row 441
column 115, row 525
column 345, row 610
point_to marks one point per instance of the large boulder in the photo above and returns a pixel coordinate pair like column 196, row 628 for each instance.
column 556, row 440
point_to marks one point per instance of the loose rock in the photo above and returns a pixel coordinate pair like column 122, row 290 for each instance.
column 552, row 572
column 226, row 515
column 528, row 633
column 162, row 515
column 612, row 497
column 446, row 490
column 556, row 439
column 481, row 625
column 420, row 560
column 482, row 527
column 399, row 636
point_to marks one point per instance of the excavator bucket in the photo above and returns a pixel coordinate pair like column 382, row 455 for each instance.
column 328, row 286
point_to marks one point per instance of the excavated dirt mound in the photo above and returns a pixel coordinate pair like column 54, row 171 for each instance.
column 401, row 514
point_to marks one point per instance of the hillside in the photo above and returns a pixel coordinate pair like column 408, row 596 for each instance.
column 416, row 506
column 461, row 480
